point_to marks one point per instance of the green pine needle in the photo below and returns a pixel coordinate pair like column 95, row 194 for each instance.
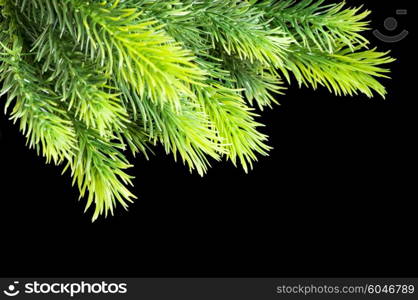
column 89, row 80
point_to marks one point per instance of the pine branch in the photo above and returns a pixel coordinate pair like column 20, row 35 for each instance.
column 313, row 23
column 243, row 139
column 98, row 169
column 191, row 135
column 97, row 166
column 343, row 72
column 329, row 49
column 46, row 126
column 260, row 84
column 89, row 80
column 187, row 133
column 238, row 28
column 86, row 90
column 128, row 46
column 235, row 124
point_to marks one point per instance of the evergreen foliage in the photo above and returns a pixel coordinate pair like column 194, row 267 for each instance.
column 89, row 80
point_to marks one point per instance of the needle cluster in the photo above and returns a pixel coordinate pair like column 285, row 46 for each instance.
column 87, row 81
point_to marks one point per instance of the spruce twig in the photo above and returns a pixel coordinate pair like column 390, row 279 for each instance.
column 88, row 80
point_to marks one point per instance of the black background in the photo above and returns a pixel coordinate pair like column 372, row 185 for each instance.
column 335, row 198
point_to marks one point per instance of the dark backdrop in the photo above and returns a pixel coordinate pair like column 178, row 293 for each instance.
column 334, row 198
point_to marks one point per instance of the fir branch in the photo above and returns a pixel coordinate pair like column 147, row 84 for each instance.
column 343, row 72
column 235, row 124
column 137, row 140
column 329, row 49
column 97, row 166
column 46, row 126
column 128, row 46
column 85, row 89
column 260, row 84
column 243, row 140
column 140, row 45
column 98, row 169
column 88, row 80
column 188, row 133
column 311, row 22
column 238, row 28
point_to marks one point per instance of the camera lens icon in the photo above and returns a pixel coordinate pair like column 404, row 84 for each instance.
column 391, row 24
column 12, row 290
